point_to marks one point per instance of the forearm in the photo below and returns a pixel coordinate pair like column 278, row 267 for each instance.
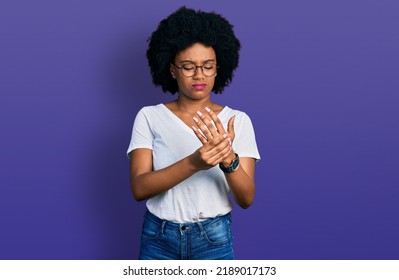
column 242, row 187
column 149, row 184
column 241, row 181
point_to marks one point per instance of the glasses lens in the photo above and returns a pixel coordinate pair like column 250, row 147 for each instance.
column 188, row 69
column 209, row 69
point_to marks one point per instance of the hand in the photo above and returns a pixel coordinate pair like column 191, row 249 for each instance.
column 216, row 142
column 215, row 128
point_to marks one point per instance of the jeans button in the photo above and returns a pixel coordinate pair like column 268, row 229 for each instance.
column 183, row 227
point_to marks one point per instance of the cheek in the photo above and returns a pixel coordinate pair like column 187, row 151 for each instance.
column 213, row 79
column 181, row 82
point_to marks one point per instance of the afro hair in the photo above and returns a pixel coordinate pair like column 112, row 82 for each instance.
column 184, row 28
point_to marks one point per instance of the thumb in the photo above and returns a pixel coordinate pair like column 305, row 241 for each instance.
column 230, row 125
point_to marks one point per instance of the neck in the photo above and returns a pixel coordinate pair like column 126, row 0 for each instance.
column 192, row 106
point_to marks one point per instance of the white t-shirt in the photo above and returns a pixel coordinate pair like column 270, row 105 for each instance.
column 204, row 195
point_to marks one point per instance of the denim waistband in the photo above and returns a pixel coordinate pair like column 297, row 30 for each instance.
column 185, row 226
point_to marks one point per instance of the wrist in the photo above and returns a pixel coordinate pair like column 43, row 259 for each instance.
column 229, row 160
column 192, row 163
column 233, row 165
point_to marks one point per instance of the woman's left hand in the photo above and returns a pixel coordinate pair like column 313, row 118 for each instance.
column 209, row 126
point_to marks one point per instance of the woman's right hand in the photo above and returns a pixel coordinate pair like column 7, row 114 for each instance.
column 212, row 152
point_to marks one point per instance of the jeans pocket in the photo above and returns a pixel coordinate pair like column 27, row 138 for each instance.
column 150, row 229
column 218, row 233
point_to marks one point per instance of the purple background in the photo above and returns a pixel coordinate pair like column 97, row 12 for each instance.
column 319, row 80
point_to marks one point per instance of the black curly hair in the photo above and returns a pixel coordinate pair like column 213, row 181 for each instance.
column 184, row 28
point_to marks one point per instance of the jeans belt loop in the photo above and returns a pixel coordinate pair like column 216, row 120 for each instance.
column 201, row 227
column 163, row 226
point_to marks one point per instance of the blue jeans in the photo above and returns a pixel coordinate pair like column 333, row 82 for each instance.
column 207, row 240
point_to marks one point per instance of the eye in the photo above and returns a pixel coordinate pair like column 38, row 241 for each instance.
column 209, row 66
column 188, row 67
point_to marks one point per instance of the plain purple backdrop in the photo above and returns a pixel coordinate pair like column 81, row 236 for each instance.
column 319, row 80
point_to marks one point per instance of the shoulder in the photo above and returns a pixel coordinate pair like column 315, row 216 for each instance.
column 149, row 114
column 151, row 110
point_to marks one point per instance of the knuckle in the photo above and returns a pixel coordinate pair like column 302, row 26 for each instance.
column 215, row 141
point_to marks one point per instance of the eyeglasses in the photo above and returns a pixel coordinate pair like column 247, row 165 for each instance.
column 190, row 69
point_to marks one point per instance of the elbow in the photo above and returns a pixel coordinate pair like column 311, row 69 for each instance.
column 138, row 197
column 246, row 204
column 137, row 194
column 247, row 199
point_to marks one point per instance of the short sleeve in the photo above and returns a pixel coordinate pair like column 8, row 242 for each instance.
column 142, row 136
column 245, row 142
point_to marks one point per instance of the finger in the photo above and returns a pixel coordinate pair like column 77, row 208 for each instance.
column 212, row 147
column 230, row 126
column 213, row 150
column 199, row 135
column 218, row 139
column 216, row 145
column 224, row 157
column 211, row 127
column 216, row 121
column 203, row 127
column 221, row 156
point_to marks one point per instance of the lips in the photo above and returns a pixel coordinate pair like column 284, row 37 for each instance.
column 199, row 86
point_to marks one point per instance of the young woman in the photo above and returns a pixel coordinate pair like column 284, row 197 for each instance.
column 187, row 155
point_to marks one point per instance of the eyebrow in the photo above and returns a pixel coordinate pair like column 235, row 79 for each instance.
column 190, row 61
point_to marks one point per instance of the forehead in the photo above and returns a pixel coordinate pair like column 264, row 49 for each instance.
column 196, row 53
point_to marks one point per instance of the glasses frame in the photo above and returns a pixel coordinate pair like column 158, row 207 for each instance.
column 196, row 68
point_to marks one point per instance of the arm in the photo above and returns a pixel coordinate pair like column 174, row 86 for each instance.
column 241, row 181
column 146, row 183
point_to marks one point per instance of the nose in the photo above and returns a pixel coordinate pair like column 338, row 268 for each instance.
column 198, row 73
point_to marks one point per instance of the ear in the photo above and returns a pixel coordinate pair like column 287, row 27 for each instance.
column 172, row 70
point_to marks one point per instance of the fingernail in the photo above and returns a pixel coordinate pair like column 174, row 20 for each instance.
column 199, row 113
column 207, row 109
column 194, row 128
column 224, row 135
column 195, row 119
